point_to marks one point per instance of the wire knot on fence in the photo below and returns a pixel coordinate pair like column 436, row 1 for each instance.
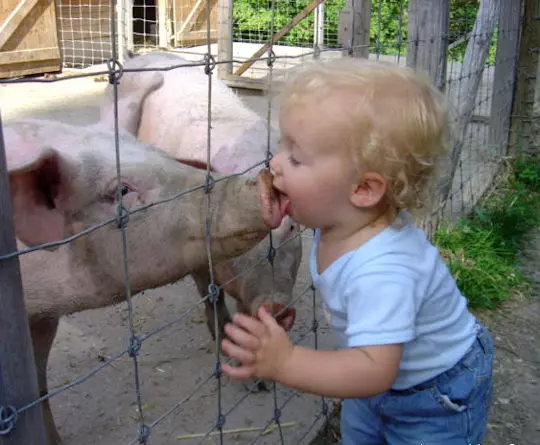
column 134, row 347
column 213, row 292
column 271, row 58
column 122, row 216
column 143, row 433
column 8, row 419
column 116, row 70
column 210, row 62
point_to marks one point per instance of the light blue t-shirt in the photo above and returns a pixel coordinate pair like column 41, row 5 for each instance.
column 395, row 288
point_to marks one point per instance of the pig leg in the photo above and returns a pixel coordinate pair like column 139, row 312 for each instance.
column 43, row 332
column 202, row 280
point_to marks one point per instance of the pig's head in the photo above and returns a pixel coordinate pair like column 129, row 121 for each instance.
column 63, row 179
column 248, row 149
column 262, row 285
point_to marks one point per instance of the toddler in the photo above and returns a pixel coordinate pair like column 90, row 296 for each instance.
column 360, row 141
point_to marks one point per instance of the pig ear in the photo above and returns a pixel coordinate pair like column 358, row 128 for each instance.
column 130, row 103
column 37, row 180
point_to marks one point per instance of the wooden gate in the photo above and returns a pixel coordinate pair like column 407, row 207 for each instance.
column 190, row 22
column 28, row 38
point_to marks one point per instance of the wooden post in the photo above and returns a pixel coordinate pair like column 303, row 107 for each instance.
column 225, row 38
column 18, row 379
column 318, row 26
column 124, row 27
column 354, row 28
column 428, row 38
column 504, row 78
column 472, row 70
column 163, row 23
column 524, row 126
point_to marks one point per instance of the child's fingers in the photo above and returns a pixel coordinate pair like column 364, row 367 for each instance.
column 267, row 319
column 250, row 324
column 239, row 373
column 241, row 337
column 236, row 352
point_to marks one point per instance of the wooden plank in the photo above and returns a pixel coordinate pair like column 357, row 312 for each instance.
column 28, row 55
column 427, row 42
column 318, row 26
column 194, row 22
column 225, row 38
column 192, row 40
column 235, row 81
column 163, row 21
column 193, row 15
column 26, row 69
column 194, row 30
column 472, row 70
column 354, row 28
column 18, row 378
column 523, row 126
column 296, row 19
column 504, row 77
column 37, row 31
column 14, row 20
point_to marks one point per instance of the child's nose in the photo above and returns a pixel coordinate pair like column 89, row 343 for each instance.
column 275, row 164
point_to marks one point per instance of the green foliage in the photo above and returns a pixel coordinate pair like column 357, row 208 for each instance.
column 388, row 32
column 482, row 249
column 481, row 269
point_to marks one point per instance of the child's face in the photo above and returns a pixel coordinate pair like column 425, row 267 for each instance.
column 313, row 167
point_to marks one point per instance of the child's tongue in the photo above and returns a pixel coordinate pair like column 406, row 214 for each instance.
column 284, row 204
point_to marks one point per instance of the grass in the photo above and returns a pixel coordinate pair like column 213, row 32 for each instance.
column 482, row 249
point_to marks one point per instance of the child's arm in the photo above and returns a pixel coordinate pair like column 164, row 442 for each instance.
column 265, row 351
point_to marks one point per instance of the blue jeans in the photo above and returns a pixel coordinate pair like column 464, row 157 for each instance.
column 450, row 409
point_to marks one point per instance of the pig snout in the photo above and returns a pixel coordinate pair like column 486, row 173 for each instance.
column 285, row 316
column 273, row 204
column 270, row 200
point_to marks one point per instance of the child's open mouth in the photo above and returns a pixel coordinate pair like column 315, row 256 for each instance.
column 285, row 206
column 275, row 204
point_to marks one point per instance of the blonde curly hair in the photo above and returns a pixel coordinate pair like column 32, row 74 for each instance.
column 398, row 121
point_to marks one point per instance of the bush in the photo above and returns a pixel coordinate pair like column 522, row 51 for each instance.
column 482, row 250
column 388, row 32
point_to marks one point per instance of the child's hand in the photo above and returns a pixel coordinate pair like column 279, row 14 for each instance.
column 261, row 346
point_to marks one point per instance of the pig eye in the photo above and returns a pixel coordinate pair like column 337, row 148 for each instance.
column 112, row 195
column 124, row 190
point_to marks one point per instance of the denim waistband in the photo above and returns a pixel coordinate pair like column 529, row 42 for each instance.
column 482, row 340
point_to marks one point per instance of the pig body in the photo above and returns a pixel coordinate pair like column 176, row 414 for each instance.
column 63, row 179
column 174, row 118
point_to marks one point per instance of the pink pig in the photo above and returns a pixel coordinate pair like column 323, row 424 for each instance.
column 174, row 118
column 63, row 180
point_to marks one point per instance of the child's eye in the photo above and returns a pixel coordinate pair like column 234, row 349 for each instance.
column 293, row 160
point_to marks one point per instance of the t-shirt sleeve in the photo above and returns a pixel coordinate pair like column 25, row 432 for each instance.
column 381, row 308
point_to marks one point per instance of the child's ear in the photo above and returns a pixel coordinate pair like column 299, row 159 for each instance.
column 370, row 191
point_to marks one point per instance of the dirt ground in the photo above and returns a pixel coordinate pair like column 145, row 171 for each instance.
column 514, row 417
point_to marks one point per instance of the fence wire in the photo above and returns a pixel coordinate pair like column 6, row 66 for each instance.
column 476, row 162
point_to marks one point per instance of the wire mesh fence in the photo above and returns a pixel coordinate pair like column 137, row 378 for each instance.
column 84, row 32
column 477, row 75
